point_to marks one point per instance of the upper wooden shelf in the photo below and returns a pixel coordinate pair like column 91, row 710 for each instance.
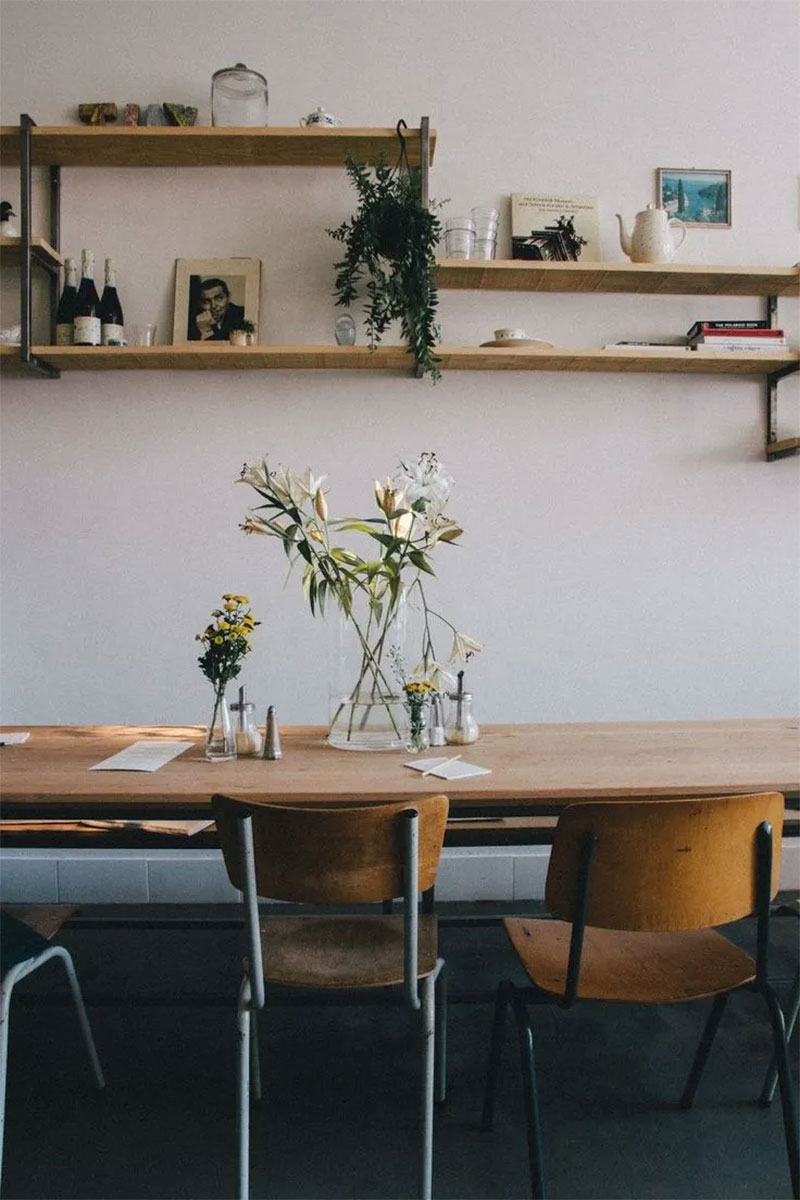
column 652, row 278
column 201, row 146
column 219, row 356
column 11, row 251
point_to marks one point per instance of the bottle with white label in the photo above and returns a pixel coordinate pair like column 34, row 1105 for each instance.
column 112, row 322
column 65, row 313
column 87, row 305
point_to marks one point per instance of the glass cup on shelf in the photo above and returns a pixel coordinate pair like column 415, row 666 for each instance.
column 459, row 237
column 144, row 335
column 484, row 247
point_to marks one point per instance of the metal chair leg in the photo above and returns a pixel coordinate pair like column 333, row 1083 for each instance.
column 428, row 1032
column 535, row 1154
column 255, row 1058
column 440, row 1039
column 792, row 1009
column 701, row 1056
column 243, row 1084
column 83, row 1020
column 501, row 1001
column 5, row 1004
column 788, row 1098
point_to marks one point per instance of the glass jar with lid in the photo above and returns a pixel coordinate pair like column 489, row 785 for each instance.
column 239, row 96
column 461, row 728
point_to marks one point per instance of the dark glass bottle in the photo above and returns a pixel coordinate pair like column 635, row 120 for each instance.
column 87, row 305
column 112, row 321
column 65, row 313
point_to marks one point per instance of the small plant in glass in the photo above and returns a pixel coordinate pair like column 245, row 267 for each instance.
column 225, row 641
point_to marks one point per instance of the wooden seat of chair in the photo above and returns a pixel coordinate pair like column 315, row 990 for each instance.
column 342, row 952
column 634, row 968
column 44, row 919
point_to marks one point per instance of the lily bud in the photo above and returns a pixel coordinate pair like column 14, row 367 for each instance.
column 403, row 525
column 321, row 505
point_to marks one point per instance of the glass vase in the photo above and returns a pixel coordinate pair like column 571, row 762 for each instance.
column 220, row 737
column 366, row 701
column 418, row 721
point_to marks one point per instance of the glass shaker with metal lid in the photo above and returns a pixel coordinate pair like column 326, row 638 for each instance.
column 239, row 96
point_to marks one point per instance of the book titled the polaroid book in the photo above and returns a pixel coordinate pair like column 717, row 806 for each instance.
column 555, row 228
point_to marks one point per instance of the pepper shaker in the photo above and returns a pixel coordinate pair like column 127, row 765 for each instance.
column 436, row 724
column 272, row 737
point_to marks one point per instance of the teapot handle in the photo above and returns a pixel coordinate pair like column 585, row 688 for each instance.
column 676, row 221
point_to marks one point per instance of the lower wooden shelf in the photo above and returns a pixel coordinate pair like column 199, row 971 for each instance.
column 216, row 356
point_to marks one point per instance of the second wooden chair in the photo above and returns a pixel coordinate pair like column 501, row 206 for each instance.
column 335, row 855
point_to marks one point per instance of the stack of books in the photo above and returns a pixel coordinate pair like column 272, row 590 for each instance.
column 753, row 337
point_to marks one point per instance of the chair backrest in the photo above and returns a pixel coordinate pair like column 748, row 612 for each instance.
column 331, row 853
column 664, row 865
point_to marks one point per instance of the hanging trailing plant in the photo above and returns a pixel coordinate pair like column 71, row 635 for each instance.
column 392, row 241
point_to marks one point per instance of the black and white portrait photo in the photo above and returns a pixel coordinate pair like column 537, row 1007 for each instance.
column 213, row 297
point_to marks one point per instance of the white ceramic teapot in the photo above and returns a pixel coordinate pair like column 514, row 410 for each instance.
column 652, row 240
column 320, row 117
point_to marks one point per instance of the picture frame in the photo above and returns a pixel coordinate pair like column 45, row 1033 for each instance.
column 213, row 296
column 699, row 198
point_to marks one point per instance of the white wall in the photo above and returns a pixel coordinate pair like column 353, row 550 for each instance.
column 628, row 553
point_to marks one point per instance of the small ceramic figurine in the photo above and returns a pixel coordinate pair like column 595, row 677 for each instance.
column 651, row 240
column 321, row 118
column 7, row 226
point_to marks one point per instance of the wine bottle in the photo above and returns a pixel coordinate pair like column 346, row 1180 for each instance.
column 111, row 319
column 87, row 305
column 65, row 313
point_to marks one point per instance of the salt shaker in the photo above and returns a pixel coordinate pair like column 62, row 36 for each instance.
column 436, row 723
column 272, row 737
column 248, row 739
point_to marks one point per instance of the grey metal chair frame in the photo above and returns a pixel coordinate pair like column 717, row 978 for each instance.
column 12, row 977
column 430, row 1004
column 509, row 995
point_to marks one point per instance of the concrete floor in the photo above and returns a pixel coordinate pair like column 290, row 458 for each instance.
column 339, row 1117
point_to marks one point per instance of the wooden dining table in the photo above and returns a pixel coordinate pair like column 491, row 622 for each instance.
column 535, row 769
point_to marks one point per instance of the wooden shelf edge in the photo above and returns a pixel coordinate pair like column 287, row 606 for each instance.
column 11, row 251
column 220, row 356
column 783, row 448
column 622, row 277
column 201, row 145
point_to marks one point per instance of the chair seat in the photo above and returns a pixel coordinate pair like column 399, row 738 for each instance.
column 636, row 968
column 342, row 952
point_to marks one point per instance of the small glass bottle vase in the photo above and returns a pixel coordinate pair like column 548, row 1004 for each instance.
column 220, row 737
column 419, row 715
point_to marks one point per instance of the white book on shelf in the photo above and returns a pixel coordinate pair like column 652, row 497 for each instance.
column 762, row 345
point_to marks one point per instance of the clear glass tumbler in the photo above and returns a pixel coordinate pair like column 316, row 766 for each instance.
column 459, row 237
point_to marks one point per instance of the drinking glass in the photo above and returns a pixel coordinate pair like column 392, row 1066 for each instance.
column 459, row 237
column 145, row 335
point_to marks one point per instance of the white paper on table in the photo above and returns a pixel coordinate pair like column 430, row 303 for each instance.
column 13, row 739
column 147, row 755
column 453, row 768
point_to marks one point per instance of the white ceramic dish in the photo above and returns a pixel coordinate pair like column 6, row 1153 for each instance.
column 504, row 343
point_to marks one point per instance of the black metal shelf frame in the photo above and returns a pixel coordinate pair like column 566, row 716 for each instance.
column 29, row 361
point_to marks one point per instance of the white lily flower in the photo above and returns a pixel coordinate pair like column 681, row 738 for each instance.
column 255, row 476
column 308, row 484
column 402, row 525
column 253, row 524
column 463, row 647
column 437, row 673
column 427, row 480
column 320, row 505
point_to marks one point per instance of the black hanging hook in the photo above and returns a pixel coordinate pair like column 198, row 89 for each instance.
column 402, row 161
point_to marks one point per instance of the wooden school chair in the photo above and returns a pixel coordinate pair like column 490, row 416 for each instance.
column 636, row 888
column 24, row 947
column 337, row 855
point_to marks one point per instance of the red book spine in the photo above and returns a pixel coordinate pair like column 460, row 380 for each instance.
column 738, row 333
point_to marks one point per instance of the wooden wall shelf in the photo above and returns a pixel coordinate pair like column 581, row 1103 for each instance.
column 11, row 252
column 651, row 278
column 201, row 146
column 210, row 356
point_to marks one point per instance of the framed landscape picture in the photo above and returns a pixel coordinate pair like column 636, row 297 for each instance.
column 701, row 198
column 213, row 296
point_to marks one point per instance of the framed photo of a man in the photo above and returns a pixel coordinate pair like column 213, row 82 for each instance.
column 213, row 296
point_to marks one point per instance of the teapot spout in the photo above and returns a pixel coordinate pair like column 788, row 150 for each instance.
column 624, row 238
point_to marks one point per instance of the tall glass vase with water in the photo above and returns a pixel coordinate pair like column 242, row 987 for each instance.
column 366, row 700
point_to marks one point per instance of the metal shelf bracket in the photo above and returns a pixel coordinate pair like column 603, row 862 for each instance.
column 30, row 362
column 788, row 446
